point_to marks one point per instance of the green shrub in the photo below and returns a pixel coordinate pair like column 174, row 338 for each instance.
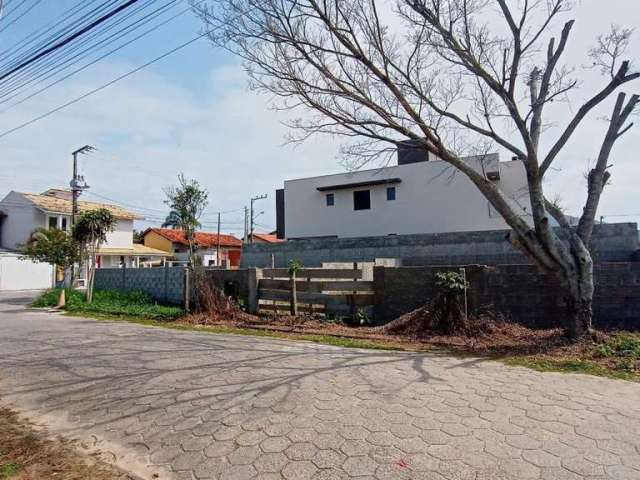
column 623, row 345
column 50, row 298
column 135, row 303
column 9, row 470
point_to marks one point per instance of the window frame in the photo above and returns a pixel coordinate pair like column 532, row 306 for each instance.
column 359, row 193
column 392, row 194
column 330, row 200
column 57, row 222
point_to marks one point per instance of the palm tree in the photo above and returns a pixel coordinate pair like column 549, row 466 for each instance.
column 186, row 202
column 172, row 220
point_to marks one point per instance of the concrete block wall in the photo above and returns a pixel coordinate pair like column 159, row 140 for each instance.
column 519, row 292
column 165, row 285
column 611, row 243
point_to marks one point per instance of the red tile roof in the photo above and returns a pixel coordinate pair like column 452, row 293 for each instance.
column 203, row 239
column 267, row 237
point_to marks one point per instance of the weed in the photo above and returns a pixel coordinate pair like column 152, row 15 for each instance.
column 135, row 303
column 568, row 366
column 8, row 470
column 623, row 345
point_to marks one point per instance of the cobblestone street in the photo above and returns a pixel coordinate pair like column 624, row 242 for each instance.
column 209, row 406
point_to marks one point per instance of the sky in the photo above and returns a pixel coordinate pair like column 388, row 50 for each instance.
column 192, row 113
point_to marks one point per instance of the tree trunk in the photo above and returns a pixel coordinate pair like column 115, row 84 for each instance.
column 579, row 299
column 92, row 271
column 579, row 317
column 62, row 299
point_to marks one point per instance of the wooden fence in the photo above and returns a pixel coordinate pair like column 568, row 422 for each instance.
column 338, row 292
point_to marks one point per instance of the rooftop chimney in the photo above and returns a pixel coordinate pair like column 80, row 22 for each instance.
column 410, row 151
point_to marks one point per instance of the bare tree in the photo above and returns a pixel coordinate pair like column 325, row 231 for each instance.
column 453, row 76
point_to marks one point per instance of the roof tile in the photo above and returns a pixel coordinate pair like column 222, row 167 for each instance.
column 203, row 239
column 62, row 205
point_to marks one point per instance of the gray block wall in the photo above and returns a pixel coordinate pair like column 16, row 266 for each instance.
column 165, row 285
column 519, row 292
column 616, row 242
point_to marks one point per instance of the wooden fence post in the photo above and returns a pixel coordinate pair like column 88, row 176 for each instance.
column 294, row 295
column 310, row 301
column 354, row 293
column 253, row 283
column 272, row 276
column 187, row 290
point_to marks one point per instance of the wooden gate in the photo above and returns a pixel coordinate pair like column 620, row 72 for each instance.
column 333, row 292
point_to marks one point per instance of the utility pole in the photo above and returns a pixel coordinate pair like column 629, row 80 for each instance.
column 252, row 217
column 77, row 182
column 219, row 260
column 77, row 186
column 246, row 225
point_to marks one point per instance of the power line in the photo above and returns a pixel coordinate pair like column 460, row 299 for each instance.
column 84, row 67
column 35, row 35
column 69, row 39
column 68, row 57
column 163, row 212
column 59, row 32
column 20, row 16
column 104, row 86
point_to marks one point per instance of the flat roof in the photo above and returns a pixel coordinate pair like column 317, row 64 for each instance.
column 371, row 183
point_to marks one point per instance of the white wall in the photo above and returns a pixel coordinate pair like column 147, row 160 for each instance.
column 18, row 274
column 122, row 236
column 22, row 219
column 431, row 198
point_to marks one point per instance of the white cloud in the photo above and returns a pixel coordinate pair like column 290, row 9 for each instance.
column 148, row 129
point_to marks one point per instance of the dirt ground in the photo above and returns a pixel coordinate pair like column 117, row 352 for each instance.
column 495, row 339
column 28, row 453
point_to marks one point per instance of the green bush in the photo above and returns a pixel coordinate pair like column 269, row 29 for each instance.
column 50, row 298
column 135, row 303
column 623, row 345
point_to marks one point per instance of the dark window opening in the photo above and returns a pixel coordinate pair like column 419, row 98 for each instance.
column 362, row 200
column 391, row 193
column 53, row 222
column 64, row 223
column 330, row 200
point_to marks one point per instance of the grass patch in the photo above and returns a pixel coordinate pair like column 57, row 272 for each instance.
column 254, row 332
column 131, row 303
column 585, row 367
column 613, row 355
column 26, row 454
column 578, row 359
column 9, row 470
column 624, row 345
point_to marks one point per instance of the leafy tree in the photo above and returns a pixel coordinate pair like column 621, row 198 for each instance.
column 187, row 202
column 52, row 246
column 455, row 77
column 90, row 231
column 138, row 236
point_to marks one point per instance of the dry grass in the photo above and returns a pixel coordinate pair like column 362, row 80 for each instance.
column 28, row 454
column 543, row 350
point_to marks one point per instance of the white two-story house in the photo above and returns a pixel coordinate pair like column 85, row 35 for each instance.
column 22, row 213
column 420, row 194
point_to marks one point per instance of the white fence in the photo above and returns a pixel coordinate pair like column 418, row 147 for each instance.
column 18, row 274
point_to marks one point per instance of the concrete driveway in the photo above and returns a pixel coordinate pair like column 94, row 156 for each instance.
column 209, row 406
